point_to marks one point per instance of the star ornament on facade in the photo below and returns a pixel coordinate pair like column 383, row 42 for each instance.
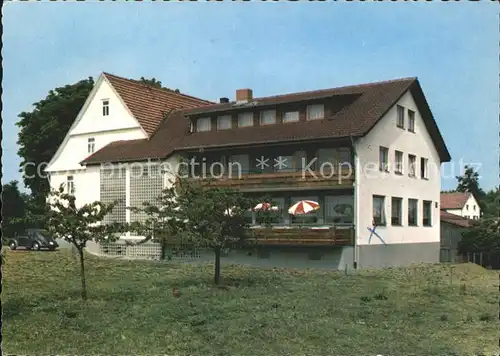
column 262, row 162
column 280, row 162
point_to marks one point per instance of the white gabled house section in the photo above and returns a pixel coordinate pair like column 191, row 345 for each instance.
column 120, row 124
column 388, row 185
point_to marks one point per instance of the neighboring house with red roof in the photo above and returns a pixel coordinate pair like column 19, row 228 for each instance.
column 462, row 204
column 367, row 153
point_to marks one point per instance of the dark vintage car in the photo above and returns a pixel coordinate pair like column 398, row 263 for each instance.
column 33, row 239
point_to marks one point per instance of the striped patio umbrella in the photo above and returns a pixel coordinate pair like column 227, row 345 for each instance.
column 303, row 207
column 265, row 206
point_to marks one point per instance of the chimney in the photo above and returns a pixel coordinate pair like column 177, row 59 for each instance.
column 244, row 95
column 223, row 100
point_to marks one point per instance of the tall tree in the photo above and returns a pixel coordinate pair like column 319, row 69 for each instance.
column 13, row 210
column 80, row 225
column 469, row 182
column 43, row 130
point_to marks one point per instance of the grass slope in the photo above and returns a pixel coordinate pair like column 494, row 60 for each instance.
column 131, row 310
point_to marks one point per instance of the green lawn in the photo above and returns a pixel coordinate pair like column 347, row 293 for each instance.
column 131, row 310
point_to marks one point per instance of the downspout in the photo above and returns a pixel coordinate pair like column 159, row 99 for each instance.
column 356, row 205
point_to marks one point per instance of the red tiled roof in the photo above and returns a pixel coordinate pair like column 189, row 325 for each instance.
column 455, row 219
column 455, row 200
column 149, row 104
column 362, row 107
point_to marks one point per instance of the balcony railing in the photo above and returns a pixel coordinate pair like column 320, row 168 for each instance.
column 314, row 236
column 289, row 179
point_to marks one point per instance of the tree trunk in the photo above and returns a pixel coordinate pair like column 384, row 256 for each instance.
column 163, row 251
column 217, row 265
column 82, row 274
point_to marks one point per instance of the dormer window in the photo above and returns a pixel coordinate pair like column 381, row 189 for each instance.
column 105, row 107
column 268, row 117
column 224, row 122
column 203, row 124
column 291, row 116
column 91, row 145
column 245, row 119
column 315, row 112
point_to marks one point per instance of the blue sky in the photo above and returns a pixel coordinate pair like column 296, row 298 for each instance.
column 211, row 49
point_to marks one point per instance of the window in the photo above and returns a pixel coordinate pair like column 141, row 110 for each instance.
column 204, row 124
column 315, row 112
column 424, row 171
column 224, row 122
column 268, row 117
column 245, row 119
column 327, row 159
column 399, row 162
column 339, row 209
column 412, row 212
column 412, row 160
column 474, row 207
column 345, row 156
column 384, row 159
column 396, row 211
column 105, row 107
column 70, row 185
column 467, row 207
column 239, row 164
column 283, row 164
column 91, row 145
column 411, row 120
column 378, row 210
column 291, row 116
column 401, row 117
column 427, row 213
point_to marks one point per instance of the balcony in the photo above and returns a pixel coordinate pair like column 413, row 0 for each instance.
column 286, row 180
column 314, row 236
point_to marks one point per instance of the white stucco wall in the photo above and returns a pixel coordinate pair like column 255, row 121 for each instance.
column 93, row 119
column 90, row 123
column 373, row 182
column 86, row 182
column 75, row 149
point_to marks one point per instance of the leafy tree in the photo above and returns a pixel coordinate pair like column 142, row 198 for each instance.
column 491, row 204
column 43, row 130
column 469, row 182
column 13, row 210
column 151, row 82
column 213, row 217
column 483, row 236
column 79, row 225
column 156, row 84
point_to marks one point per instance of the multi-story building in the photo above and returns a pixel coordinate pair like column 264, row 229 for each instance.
column 369, row 154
